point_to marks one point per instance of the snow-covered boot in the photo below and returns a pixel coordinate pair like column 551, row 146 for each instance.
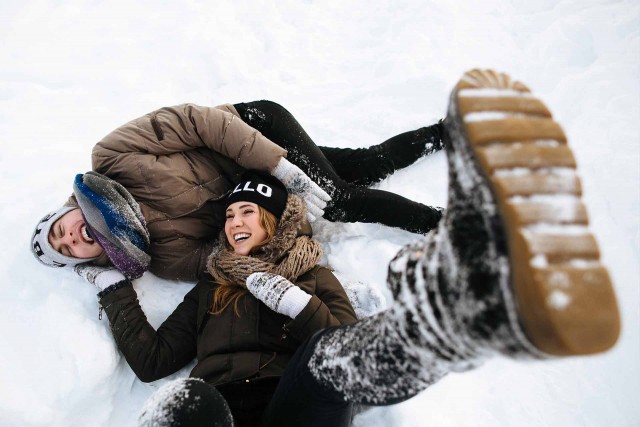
column 400, row 151
column 511, row 269
column 367, row 166
column 513, row 174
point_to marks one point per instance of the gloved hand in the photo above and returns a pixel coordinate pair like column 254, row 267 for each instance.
column 298, row 183
column 277, row 293
column 100, row 277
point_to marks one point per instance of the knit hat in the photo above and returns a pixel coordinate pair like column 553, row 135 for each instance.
column 42, row 249
column 262, row 189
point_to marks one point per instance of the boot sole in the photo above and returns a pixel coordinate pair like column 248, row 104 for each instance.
column 564, row 295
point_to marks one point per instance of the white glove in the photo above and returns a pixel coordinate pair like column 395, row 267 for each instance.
column 298, row 183
column 277, row 293
column 100, row 277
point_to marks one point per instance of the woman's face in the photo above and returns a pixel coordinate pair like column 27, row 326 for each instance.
column 69, row 236
column 242, row 228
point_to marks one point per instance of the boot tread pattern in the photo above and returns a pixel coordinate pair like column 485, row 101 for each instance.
column 565, row 297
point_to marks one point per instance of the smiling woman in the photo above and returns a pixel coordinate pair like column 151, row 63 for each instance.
column 244, row 337
column 243, row 228
column 258, row 232
column 252, row 211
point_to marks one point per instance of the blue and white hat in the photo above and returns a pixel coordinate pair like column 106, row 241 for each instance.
column 42, row 249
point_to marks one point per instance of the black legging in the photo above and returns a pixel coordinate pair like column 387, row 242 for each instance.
column 345, row 173
column 296, row 399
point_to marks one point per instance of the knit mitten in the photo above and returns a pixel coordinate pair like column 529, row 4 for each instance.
column 298, row 183
column 277, row 293
column 100, row 277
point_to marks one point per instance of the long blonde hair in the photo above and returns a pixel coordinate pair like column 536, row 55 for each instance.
column 230, row 293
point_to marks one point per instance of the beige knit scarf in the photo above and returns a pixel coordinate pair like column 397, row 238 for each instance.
column 286, row 254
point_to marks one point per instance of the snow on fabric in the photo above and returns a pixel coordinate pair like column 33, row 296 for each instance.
column 354, row 74
column 157, row 408
column 115, row 220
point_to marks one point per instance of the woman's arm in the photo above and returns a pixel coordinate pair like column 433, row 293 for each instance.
column 328, row 306
column 313, row 303
column 152, row 354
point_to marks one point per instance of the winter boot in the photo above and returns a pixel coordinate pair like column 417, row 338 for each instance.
column 511, row 268
column 367, row 166
column 514, row 172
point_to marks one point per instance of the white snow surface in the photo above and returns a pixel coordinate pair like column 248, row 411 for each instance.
column 354, row 73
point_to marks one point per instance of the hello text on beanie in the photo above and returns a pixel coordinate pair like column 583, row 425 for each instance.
column 262, row 189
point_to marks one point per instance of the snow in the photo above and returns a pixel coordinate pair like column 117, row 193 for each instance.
column 354, row 73
column 156, row 408
column 558, row 300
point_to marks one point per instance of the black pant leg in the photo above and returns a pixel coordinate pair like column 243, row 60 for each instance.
column 299, row 400
column 366, row 166
column 248, row 399
column 349, row 203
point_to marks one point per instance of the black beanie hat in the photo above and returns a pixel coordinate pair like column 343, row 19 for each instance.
column 262, row 189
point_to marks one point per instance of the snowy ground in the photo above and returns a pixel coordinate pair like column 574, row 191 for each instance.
column 354, row 73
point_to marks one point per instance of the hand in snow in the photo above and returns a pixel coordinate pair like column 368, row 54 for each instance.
column 298, row 183
column 100, row 277
column 277, row 293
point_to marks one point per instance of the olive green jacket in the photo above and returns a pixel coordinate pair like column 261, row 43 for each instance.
column 258, row 343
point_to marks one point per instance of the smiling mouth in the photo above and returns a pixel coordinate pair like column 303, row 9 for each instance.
column 85, row 234
column 241, row 237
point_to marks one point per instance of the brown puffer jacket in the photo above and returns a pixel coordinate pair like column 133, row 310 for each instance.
column 257, row 344
column 178, row 162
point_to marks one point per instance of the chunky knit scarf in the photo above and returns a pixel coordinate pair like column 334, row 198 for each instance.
column 115, row 221
column 287, row 254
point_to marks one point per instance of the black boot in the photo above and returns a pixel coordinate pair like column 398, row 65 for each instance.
column 511, row 268
column 367, row 166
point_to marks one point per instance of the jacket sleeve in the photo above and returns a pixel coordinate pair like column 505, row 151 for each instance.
column 152, row 354
column 226, row 134
column 180, row 258
column 329, row 306
column 186, row 127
